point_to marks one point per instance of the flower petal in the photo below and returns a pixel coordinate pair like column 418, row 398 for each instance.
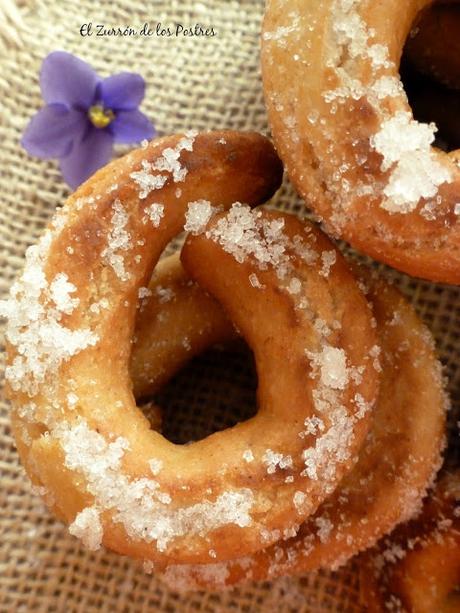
column 66, row 79
column 123, row 91
column 51, row 131
column 131, row 127
column 87, row 156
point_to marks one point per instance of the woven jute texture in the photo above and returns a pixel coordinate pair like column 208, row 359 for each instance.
column 198, row 83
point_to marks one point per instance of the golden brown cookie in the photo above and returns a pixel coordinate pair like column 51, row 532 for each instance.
column 344, row 129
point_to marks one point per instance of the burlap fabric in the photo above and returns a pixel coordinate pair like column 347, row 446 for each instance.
column 192, row 83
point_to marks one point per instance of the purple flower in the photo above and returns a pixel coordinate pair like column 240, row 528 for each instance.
column 84, row 116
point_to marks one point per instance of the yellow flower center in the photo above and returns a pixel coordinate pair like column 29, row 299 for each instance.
column 99, row 116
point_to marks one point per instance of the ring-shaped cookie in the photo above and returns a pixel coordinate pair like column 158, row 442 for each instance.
column 83, row 441
column 71, row 316
column 345, row 131
column 395, row 465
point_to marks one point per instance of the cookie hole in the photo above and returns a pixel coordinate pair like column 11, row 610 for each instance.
column 432, row 81
column 214, row 391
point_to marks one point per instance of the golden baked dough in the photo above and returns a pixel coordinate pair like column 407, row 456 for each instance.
column 417, row 569
column 290, row 293
column 84, row 443
column 344, row 129
column 71, row 315
column 395, row 465
column 176, row 321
